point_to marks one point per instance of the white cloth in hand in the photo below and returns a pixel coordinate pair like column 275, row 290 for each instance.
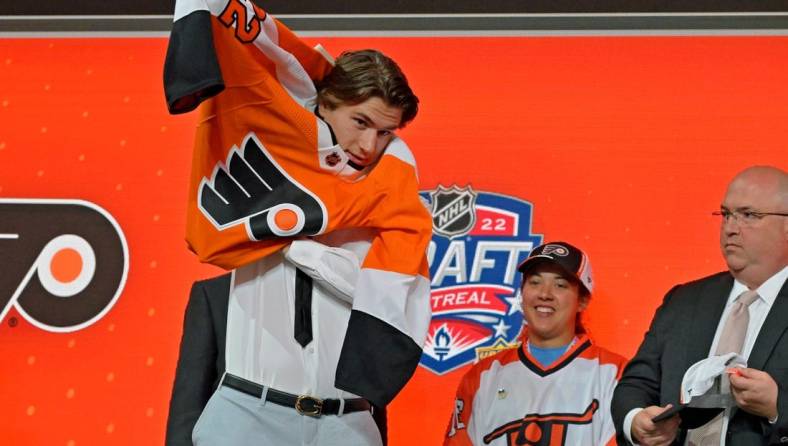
column 700, row 377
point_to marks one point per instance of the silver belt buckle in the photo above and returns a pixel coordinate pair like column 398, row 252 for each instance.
column 315, row 403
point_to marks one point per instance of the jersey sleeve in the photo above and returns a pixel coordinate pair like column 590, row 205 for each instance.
column 458, row 431
column 615, row 365
column 391, row 303
column 205, row 30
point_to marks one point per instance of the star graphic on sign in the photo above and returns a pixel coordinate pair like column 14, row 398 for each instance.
column 500, row 328
column 514, row 303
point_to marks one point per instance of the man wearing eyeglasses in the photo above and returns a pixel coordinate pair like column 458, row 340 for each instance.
column 743, row 310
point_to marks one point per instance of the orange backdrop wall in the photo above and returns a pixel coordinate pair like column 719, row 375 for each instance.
column 623, row 145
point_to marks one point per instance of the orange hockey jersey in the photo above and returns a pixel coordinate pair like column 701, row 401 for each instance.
column 265, row 168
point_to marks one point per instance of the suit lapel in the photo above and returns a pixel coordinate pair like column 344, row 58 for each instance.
column 710, row 304
column 771, row 330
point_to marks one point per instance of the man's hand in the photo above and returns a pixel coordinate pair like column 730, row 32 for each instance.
column 755, row 392
column 648, row 433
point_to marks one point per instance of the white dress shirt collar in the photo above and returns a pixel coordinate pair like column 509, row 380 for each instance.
column 767, row 291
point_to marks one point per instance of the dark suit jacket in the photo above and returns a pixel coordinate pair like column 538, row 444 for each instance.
column 681, row 334
column 201, row 362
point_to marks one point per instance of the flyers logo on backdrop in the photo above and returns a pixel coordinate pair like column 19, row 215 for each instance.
column 479, row 239
column 64, row 262
column 252, row 189
column 541, row 429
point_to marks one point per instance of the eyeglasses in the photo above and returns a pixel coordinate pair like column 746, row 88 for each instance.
column 745, row 218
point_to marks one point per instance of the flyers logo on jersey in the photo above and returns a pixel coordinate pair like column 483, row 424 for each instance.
column 251, row 188
column 64, row 262
column 541, row 430
column 475, row 283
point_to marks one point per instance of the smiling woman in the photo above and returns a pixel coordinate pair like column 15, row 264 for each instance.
column 556, row 369
column 556, row 289
column 552, row 303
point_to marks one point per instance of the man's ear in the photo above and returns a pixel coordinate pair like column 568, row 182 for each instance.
column 322, row 108
column 325, row 103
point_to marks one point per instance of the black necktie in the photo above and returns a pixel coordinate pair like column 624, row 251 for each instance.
column 302, row 328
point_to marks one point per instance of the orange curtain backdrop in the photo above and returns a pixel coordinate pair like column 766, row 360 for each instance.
column 623, row 144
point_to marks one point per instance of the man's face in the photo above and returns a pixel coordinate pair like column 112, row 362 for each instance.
column 363, row 130
column 754, row 250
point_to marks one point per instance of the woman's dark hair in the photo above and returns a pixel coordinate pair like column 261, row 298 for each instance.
column 582, row 294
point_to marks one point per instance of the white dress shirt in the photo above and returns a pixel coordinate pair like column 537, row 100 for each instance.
column 759, row 309
column 260, row 343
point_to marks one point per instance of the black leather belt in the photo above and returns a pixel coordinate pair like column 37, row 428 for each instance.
column 303, row 404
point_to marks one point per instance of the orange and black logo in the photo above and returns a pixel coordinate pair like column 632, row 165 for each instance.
column 541, row 430
column 252, row 189
column 64, row 262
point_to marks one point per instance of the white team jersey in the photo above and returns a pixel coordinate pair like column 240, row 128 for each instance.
column 511, row 399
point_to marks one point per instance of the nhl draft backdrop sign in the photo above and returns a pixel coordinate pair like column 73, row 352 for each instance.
column 478, row 240
column 622, row 144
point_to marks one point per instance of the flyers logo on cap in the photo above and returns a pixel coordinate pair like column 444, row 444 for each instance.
column 252, row 189
column 64, row 262
column 557, row 250
column 479, row 239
